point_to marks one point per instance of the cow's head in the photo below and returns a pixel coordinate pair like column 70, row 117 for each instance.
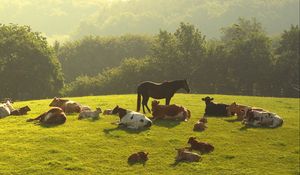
column 207, row 99
column 155, row 103
column 120, row 111
column 191, row 140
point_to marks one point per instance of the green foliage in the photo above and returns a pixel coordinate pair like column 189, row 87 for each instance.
column 91, row 55
column 99, row 147
column 28, row 67
column 287, row 65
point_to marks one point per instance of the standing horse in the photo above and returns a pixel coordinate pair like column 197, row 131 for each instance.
column 158, row 91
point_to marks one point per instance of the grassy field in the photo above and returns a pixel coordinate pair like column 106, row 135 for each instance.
column 99, row 147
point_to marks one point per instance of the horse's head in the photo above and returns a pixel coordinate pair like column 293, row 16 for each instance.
column 186, row 86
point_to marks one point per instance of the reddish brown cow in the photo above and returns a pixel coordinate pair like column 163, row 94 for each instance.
column 54, row 116
column 67, row 106
column 200, row 146
column 138, row 157
column 173, row 111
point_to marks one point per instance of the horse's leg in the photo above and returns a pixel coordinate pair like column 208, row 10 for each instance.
column 168, row 99
column 145, row 103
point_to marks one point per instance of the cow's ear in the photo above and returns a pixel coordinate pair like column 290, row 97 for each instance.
column 234, row 103
column 203, row 99
column 212, row 99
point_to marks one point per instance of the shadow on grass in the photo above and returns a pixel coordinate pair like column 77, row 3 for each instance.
column 167, row 123
column 136, row 163
column 246, row 127
column 130, row 131
column 232, row 120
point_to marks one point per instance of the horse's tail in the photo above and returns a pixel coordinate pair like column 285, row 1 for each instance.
column 138, row 102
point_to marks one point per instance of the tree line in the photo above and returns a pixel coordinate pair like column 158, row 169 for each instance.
column 244, row 61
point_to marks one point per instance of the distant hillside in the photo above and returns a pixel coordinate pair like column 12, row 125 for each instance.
column 61, row 19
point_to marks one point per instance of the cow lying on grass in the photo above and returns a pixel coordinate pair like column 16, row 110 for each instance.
column 67, row 106
column 200, row 125
column 6, row 108
column 139, row 157
column 131, row 119
column 262, row 119
column 203, row 147
column 90, row 114
column 188, row 156
column 54, row 116
column 215, row 109
column 239, row 110
column 173, row 112
column 21, row 111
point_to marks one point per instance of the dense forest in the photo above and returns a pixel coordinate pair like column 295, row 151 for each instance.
column 245, row 60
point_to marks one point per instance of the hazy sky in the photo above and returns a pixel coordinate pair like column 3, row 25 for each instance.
column 64, row 19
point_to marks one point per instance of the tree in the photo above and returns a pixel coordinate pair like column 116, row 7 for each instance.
column 28, row 66
column 249, row 52
column 287, row 62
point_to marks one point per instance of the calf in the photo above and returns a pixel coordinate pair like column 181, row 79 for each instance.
column 138, row 157
column 200, row 146
column 90, row 114
column 6, row 108
column 107, row 112
column 21, row 111
column 131, row 119
column 54, row 116
column 214, row 109
column 173, row 112
column 199, row 126
column 240, row 110
column 262, row 119
column 185, row 155
column 67, row 106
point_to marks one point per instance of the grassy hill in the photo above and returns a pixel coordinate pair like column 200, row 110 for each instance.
column 99, row 147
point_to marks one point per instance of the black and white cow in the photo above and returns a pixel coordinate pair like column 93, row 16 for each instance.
column 6, row 108
column 215, row 109
column 131, row 119
column 262, row 119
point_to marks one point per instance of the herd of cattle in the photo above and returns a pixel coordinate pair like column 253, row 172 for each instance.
column 249, row 116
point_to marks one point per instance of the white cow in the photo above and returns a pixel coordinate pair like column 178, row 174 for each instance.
column 131, row 119
column 262, row 119
column 6, row 109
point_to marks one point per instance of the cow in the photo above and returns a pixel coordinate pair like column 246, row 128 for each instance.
column 214, row 109
column 199, row 126
column 90, row 114
column 20, row 111
column 67, row 106
column 131, row 119
column 185, row 155
column 107, row 112
column 203, row 147
column 240, row 110
column 6, row 108
column 262, row 119
column 54, row 116
column 141, row 157
column 173, row 111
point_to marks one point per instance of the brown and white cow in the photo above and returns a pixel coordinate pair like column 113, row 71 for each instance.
column 67, row 106
column 54, row 116
column 240, row 110
column 173, row 112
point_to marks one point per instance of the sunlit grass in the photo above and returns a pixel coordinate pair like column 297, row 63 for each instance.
column 99, row 147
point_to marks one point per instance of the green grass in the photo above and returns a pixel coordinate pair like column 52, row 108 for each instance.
column 99, row 147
